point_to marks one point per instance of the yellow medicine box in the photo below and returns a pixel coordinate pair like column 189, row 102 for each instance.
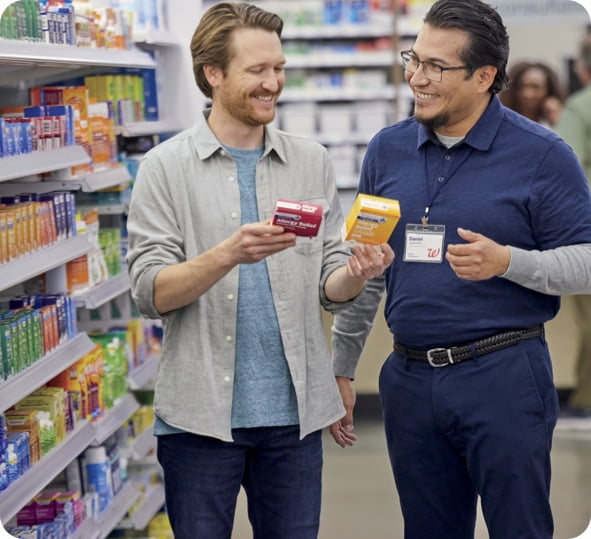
column 371, row 219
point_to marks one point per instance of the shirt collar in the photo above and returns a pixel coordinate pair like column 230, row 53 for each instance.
column 481, row 136
column 207, row 144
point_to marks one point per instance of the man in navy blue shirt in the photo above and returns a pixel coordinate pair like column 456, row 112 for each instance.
column 495, row 226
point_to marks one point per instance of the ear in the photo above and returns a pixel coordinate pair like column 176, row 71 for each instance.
column 486, row 76
column 213, row 75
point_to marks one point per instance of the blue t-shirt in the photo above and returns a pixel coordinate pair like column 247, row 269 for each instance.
column 263, row 393
column 510, row 179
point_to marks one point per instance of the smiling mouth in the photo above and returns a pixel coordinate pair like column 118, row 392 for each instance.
column 425, row 97
column 264, row 98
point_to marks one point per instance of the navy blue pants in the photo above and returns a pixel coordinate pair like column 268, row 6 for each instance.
column 281, row 475
column 482, row 427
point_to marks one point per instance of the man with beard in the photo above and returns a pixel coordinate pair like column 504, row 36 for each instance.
column 245, row 382
column 496, row 224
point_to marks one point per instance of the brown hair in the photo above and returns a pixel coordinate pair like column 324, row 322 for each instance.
column 211, row 42
column 516, row 73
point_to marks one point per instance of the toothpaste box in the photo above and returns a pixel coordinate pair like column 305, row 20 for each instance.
column 371, row 219
column 301, row 218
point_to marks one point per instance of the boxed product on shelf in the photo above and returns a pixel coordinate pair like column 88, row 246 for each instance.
column 25, row 420
column 17, row 455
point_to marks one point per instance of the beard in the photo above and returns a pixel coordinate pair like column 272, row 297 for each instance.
column 435, row 122
column 238, row 106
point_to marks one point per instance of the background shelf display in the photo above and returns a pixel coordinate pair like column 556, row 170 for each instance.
column 104, row 292
column 22, row 61
column 111, row 421
column 48, row 258
column 139, row 377
column 88, row 183
column 113, row 514
column 26, row 381
column 43, row 471
column 37, row 162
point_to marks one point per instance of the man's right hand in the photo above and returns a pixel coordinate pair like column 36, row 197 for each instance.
column 254, row 241
column 342, row 430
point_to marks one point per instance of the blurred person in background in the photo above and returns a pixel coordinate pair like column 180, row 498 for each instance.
column 534, row 92
column 574, row 127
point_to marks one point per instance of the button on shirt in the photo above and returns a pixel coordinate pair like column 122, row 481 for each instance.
column 180, row 209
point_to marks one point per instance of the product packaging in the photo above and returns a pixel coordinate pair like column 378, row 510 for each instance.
column 371, row 219
column 301, row 218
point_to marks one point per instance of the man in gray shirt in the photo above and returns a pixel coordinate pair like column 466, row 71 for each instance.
column 245, row 382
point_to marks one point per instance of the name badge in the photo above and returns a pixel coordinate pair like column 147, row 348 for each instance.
column 424, row 243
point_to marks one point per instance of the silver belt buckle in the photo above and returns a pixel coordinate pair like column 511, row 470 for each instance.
column 437, row 363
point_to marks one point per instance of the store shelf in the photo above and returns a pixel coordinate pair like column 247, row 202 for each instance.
column 139, row 377
column 94, row 181
column 113, row 418
column 104, row 209
column 152, row 503
column 88, row 530
column 30, row 61
column 41, row 473
column 25, row 267
column 338, row 31
column 155, row 38
column 25, row 382
column 141, row 446
column 28, row 164
column 337, row 94
column 104, row 292
column 120, row 504
column 139, row 129
column 321, row 59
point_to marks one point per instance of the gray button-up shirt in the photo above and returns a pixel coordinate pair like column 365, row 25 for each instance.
column 185, row 201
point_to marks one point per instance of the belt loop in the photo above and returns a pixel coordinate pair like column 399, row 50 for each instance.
column 473, row 352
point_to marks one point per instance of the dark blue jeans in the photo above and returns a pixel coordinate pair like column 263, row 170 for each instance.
column 281, row 475
column 480, row 427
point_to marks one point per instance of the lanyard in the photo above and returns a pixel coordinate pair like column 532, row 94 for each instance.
column 431, row 193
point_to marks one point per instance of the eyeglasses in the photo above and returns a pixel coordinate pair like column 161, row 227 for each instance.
column 431, row 70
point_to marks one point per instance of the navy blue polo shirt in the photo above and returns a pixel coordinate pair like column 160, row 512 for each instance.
column 510, row 179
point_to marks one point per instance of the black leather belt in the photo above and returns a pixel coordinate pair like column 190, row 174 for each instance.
column 441, row 357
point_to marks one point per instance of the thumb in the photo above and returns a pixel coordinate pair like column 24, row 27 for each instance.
column 468, row 235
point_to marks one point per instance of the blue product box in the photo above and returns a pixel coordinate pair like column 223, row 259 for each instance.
column 68, row 112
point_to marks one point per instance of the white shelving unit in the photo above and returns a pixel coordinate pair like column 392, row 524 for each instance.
column 24, row 65
column 37, row 162
column 104, row 292
column 19, row 386
column 46, row 259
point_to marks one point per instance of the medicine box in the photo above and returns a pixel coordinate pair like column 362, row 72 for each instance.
column 371, row 219
column 301, row 218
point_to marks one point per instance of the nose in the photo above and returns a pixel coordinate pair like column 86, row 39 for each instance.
column 273, row 81
column 418, row 77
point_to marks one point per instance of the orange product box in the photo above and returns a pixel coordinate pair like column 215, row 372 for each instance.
column 77, row 273
column 25, row 420
column 11, row 248
column 3, row 239
column 372, row 219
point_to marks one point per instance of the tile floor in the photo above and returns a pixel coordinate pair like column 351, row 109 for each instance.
column 359, row 498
